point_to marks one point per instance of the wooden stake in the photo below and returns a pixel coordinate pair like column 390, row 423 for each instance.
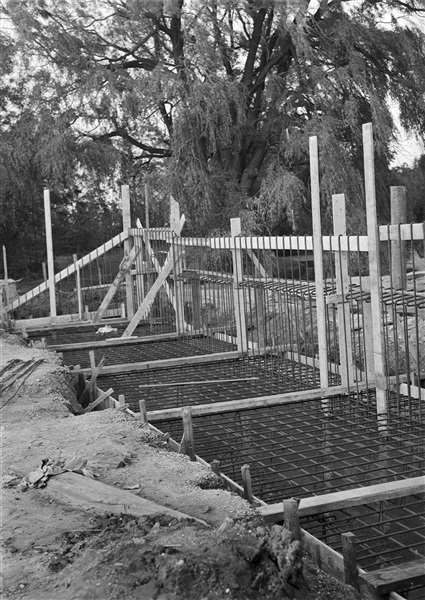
column 121, row 400
column 50, row 258
column 126, row 221
column 196, row 302
column 351, row 575
column 99, row 400
column 375, row 275
column 398, row 248
column 143, row 411
column 238, row 294
column 318, row 263
column 188, row 432
column 78, row 286
column 215, row 466
column 247, row 487
column 291, row 518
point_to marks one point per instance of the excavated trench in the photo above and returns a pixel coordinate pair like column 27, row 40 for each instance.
column 300, row 449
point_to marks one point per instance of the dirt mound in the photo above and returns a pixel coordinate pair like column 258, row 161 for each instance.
column 57, row 550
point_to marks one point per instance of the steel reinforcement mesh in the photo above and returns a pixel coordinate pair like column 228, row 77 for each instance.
column 149, row 351
column 307, row 449
column 210, row 382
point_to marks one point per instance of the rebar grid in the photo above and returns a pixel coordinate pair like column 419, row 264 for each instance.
column 302, row 450
column 387, row 532
column 146, row 352
column 272, row 376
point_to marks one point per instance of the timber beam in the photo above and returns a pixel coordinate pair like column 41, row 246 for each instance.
column 347, row 498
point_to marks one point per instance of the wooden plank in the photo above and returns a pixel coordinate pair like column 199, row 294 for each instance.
column 412, row 390
column 82, row 262
column 128, row 244
column 318, row 264
column 249, row 403
column 347, row 498
column 166, row 364
column 88, row 493
column 397, row 578
column 398, row 248
column 124, row 267
column 98, row 400
column 374, row 270
column 150, row 297
column 414, row 231
column 50, row 258
column 78, row 288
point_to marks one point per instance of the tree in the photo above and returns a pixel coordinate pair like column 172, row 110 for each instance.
column 222, row 95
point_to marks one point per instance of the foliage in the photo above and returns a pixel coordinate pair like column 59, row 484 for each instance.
column 212, row 100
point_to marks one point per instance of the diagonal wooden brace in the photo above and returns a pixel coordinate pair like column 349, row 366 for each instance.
column 150, row 296
column 124, row 268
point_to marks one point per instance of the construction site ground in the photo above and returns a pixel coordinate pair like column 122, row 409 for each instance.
column 63, row 550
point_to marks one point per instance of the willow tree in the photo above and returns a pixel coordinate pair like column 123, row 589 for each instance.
column 222, row 95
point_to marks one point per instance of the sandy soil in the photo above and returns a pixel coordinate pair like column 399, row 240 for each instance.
column 56, row 550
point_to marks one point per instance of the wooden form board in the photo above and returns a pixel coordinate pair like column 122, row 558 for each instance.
column 397, row 577
column 91, row 494
column 357, row 497
column 166, row 364
column 81, row 262
column 260, row 402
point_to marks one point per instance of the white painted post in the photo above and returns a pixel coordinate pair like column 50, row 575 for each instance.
column 50, row 258
column 78, row 284
column 398, row 248
column 238, row 295
column 126, row 222
column 342, row 288
column 318, row 264
column 374, row 274
column 175, row 226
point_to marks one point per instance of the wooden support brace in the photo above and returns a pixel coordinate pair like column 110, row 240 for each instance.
column 124, row 268
column 150, row 296
column 91, row 384
column 99, row 400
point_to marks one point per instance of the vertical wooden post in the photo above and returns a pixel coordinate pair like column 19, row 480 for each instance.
column 94, row 391
column 6, row 288
column 50, row 258
column 121, row 400
column 78, row 286
column 215, row 466
column 196, row 302
column 342, row 288
column 175, row 227
column 374, row 274
column 259, row 308
column 189, row 440
column 238, row 294
column 143, row 411
column 398, row 247
column 44, row 267
column 349, row 554
column 318, row 263
column 368, row 341
column 247, row 486
column 291, row 517
column 126, row 221
column 147, row 206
